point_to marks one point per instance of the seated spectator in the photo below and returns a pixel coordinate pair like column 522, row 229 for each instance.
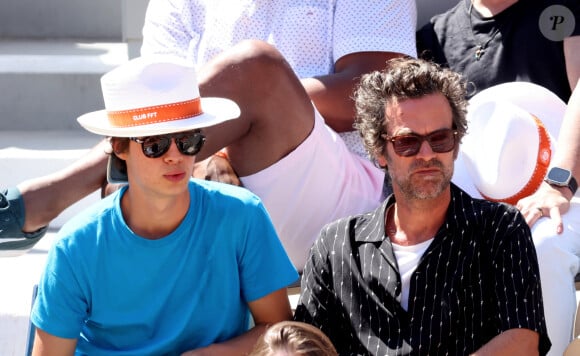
column 291, row 67
column 292, row 338
column 167, row 264
column 432, row 271
column 514, row 129
column 491, row 42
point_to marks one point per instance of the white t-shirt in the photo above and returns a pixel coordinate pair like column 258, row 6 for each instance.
column 408, row 258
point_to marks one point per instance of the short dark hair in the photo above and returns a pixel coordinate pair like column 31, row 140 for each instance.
column 119, row 144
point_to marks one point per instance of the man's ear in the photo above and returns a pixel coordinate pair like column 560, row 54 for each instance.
column 121, row 155
column 119, row 150
column 381, row 160
column 456, row 152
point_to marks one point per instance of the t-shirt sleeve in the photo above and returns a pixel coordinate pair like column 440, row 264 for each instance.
column 369, row 26
column 428, row 46
column 59, row 308
column 264, row 265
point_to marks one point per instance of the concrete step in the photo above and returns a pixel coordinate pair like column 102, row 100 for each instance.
column 25, row 155
column 46, row 85
column 30, row 154
column 18, row 275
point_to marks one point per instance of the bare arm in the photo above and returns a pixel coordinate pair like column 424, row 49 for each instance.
column 555, row 201
column 511, row 342
column 46, row 344
column 568, row 150
column 266, row 311
column 332, row 93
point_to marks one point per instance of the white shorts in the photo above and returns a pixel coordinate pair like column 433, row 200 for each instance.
column 317, row 183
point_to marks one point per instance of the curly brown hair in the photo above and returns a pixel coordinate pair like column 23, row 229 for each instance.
column 404, row 78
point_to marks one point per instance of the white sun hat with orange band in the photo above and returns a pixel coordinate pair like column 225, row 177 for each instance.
column 512, row 131
column 155, row 95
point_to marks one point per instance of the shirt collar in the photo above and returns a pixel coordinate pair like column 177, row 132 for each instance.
column 374, row 221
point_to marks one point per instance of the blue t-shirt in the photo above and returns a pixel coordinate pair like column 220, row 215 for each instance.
column 121, row 294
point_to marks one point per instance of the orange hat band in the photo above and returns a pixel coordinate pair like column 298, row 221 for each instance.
column 542, row 163
column 155, row 114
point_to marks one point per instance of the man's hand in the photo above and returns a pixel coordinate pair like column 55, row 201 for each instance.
column 547, row 201
column 217, row 169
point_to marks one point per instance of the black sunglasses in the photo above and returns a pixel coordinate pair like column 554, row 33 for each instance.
column 441, row 141
column 188, row 143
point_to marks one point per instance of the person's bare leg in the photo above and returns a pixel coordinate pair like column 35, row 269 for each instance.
column 47, row 196
column 276, row 112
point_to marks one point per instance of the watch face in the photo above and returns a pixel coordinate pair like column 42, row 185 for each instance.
column 559, row 175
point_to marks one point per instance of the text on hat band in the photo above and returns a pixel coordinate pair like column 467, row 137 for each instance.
column 155, row 114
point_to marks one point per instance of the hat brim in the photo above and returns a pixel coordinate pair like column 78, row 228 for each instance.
column 215, row 111
column 533, row 98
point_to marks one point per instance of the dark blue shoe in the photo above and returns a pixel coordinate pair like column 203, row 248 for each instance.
column 12, row 238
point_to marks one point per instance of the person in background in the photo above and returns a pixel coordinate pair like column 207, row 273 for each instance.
column 291, row 66
column 292, row 338
column 167, row 264
column 492, row 42
column 430, row 271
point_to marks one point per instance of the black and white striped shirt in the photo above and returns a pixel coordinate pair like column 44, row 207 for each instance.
column 478, row 278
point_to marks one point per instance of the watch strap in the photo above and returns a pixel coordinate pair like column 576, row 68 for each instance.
column 573, row 185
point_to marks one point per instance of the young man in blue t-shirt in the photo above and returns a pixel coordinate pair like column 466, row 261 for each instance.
column 166, row 265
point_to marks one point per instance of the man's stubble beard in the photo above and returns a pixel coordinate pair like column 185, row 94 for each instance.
column 423, row 190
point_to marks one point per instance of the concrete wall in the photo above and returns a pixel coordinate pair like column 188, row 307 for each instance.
column 133, row 19
column 50, row 19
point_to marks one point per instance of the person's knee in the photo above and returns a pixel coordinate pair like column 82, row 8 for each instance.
column 545, row 240
column 248, row 70
column 258, row 59
column 555, row 252
column 258, row 51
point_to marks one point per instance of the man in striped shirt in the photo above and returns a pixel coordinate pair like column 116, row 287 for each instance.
column 432, row 271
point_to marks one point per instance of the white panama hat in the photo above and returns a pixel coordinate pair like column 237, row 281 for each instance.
column 155, row 95
column 512, row 132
